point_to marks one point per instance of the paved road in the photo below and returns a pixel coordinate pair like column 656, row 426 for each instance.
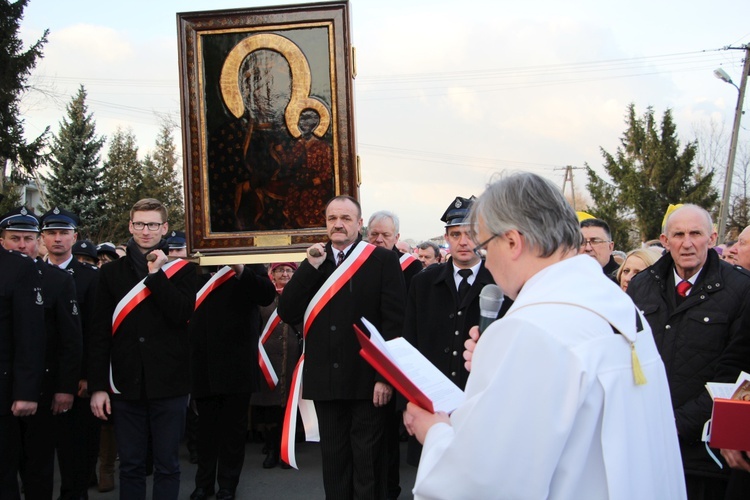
column 279, row 484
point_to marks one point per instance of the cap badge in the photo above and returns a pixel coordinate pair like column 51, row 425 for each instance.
column 457, row 204
column 23, row 211
column 56, row 211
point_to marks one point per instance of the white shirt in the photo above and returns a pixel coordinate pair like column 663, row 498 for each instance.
column 551, row 408
column 457, row 278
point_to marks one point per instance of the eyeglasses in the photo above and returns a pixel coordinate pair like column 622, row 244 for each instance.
column 480, row 250
column 279, row 270
column 593, row 242
column 152, row 226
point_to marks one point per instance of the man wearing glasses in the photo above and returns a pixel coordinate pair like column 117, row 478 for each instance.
column 597, row 243
column 443, row 302
column 138, row 366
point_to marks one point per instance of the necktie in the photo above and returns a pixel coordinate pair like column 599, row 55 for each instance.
column 683, row 287
column 463, row 286
column 339, row 258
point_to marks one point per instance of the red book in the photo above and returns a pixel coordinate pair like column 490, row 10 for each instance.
column 729, row 424
column 408, row 371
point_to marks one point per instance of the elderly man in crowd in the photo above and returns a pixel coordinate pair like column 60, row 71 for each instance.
column 695, row 304
column 598, row 423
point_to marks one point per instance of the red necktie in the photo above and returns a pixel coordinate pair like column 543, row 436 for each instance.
column 683, row 287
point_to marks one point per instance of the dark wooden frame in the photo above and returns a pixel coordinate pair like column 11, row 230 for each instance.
column 202, row 32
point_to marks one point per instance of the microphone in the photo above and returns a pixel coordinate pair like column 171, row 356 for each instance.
column 490, row 301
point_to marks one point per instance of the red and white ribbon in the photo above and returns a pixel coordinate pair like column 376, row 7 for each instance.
column 406, row 260
column 332, row 285
column 218, row 279
column 266, row 367
column 132, row 299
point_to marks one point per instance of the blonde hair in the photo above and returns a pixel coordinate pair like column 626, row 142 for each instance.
column 648, row 255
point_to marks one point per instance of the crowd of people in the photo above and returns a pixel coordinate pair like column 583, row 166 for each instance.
column 577, row 390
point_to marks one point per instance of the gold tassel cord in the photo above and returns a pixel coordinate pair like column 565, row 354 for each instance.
column 638, row 375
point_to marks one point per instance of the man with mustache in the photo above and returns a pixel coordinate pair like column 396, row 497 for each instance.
column 362, row 280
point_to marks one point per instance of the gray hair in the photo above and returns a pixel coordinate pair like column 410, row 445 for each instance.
column 384, row 214
column 533, row 206
column 701, row 210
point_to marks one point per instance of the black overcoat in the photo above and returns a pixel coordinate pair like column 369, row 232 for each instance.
column 21, row 330
column 150, row 350
column 224, row 335
column 333, row 367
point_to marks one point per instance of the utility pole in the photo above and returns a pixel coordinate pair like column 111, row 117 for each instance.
column 569, row 178
column 727, row 196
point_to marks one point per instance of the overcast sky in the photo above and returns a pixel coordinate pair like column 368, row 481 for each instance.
column 447, row 93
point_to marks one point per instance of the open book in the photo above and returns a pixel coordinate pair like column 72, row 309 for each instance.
column 739, row 390
column 408, row 371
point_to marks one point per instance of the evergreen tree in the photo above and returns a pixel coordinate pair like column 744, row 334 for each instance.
column 161, row 178
column 75, row 178
column 18, row 159
column 648, row 172
column 123, row 185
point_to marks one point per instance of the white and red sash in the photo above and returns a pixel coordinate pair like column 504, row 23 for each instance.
column 265, row 364
column 132, row 299
column 219, row 278
column 406, row 260
column 332, row 285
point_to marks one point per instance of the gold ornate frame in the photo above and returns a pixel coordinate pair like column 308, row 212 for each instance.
column 314, row 42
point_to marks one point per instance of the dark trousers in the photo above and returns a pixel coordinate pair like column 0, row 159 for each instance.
column 222, row 427
column 165, row 419
column 77, row 448
column 705, row 488
column 393, row 447
column 10, row 453
column 353, row 449
column 38, row 453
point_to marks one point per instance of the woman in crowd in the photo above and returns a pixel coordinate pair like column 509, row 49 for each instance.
column 282, row 345
column 636, row 261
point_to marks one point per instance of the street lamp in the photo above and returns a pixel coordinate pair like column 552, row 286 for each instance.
column 725, row 200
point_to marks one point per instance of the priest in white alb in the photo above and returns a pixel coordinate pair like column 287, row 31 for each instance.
column 567, row 396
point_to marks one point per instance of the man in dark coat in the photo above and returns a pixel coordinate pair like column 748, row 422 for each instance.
column 224, row 332
column 139, row 351
column 349, row 399
column 439, row 313
column 597, row 243
column 21, row 358
column 22, row 341
column 383, row 231
column 62, row 362
column 695, row 304
column 78, row 436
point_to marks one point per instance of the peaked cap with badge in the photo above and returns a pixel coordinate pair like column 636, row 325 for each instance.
column 20, row 219
column 87, row 248
column 457, row 213
column 58, row 218
column 176, row 239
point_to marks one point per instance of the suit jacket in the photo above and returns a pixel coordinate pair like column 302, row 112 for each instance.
column 437, row 324
column 21, row 330
column 224, row 333
column 86, row 278
column 333, row 367
column 62, row 362
column 150, row 350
